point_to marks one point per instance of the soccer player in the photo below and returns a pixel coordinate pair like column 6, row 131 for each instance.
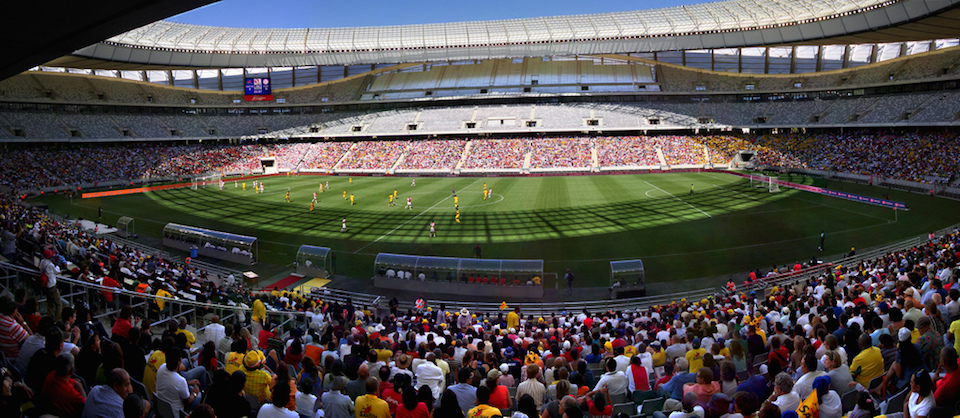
column 221, row 184
column 314, row 196
column 351, row 180
column 327, row 185
column 394, row 193
column 453, row 190
column 311, row 205
column 490, row 192
column 485, row 192
column 287, row 197
column 409, row 203
column 344, row 195
column 391, row 200
column 691, row 188
column 413, row 183
column 456, row 201
column 343, row 225
column 351, row 199
column 321, row 187
column 261, row 187
column 235, row 184
column 458, row 216
column 433, row 230
column 244, row 186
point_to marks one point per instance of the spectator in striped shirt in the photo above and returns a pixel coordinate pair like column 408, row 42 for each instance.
column 12, row 332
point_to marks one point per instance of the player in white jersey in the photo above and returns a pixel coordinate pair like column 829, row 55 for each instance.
column 433, row 230
column 221, row 184
column 409, row 203
column 314, row 196
column 413, row 183
column 343, row 225
column 261, row 187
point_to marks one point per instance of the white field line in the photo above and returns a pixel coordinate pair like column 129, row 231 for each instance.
column 684, row 201
column 410, row 220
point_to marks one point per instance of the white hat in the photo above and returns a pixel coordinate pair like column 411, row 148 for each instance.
column 763, row 369
column 903, row 334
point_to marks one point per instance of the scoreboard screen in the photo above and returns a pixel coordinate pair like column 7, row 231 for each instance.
column 257, row 89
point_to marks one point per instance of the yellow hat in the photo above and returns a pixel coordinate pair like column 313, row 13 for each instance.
column 253, row 359
column 425, row 321
column 359, row 322
column 474, row 316
column 429, row 309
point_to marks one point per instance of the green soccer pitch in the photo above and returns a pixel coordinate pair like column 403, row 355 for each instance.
column 576, row 222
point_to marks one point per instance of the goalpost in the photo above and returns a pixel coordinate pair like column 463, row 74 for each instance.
column 766, row 182
column 203, row 181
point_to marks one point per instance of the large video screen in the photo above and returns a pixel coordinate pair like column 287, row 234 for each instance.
column 257, row 89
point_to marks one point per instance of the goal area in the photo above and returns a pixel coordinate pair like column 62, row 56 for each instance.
column 203, row 181
column 765, row 182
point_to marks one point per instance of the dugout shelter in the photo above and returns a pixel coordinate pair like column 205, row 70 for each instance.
column 313, row 261
column 460, row 276
column 234, row 248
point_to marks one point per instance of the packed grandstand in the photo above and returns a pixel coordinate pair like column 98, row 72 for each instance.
column 93, row 325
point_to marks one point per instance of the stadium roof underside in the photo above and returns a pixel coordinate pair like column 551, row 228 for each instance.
column 38, row 31
column 726, row 24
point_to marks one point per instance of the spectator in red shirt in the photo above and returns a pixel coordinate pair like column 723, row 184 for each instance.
column 108, row 294
column 122, row 325
column 948, row 387
column 667, row 375
column 12, row 334
column 265, row 336
column 63, row 395
column 778, row 353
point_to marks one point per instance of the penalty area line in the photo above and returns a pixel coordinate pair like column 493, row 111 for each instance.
column 409, row 220
column 684, row 201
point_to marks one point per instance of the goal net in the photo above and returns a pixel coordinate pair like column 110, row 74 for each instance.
column 765, row 182
column 203, row 181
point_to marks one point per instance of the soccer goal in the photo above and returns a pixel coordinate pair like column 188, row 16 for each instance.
column 202, row 181
column 765, row 182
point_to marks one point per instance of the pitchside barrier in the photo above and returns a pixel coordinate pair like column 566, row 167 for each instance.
column 827, row 192
column 459, row 276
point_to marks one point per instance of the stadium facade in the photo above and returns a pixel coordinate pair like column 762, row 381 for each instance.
column 730, row 66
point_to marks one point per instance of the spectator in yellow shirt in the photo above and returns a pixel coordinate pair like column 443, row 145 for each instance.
column 182, row 329
column 868, row 364
column 513, row 318
column 695, row 356
column 369, row 405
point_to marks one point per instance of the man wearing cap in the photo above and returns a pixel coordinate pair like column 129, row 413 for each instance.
column 336, row 404
column 695, row 357
column 49, row 268
column 259, row 381
column 869, row 363
column 830, row 406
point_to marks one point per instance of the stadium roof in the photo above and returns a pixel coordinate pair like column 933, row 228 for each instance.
column 726, row 24
column 38, row 31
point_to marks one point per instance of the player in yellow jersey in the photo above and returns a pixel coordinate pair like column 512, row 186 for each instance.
column 391, row 200
column 351, row 180
column 484, row 188
column 394, row 193
column 321, row 187
column 351, row 199
column 287, row 197
column 344, row 195
column 456, row 202
column 485, row 193
column 458, row 216
column 244, row 185
column 311, row 206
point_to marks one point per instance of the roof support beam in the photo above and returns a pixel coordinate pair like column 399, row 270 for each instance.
column 793, row 60
column 766, row 60
column 819, row 65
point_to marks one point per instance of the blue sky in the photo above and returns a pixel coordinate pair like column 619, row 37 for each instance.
column 324, row 14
